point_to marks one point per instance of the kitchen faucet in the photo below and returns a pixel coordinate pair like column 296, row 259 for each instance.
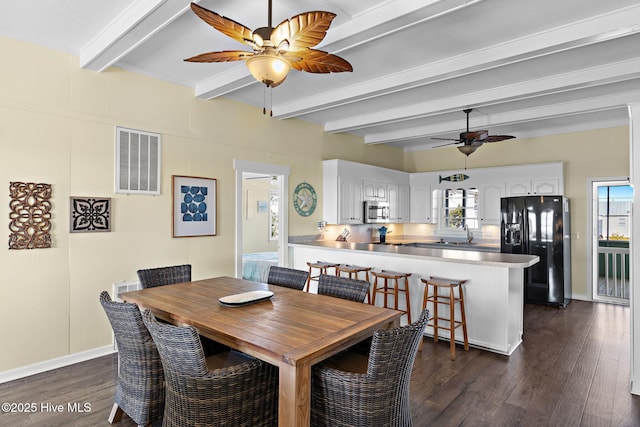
column 469, row 233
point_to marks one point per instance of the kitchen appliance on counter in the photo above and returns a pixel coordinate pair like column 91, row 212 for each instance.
column 376, row 212
column 539, row 225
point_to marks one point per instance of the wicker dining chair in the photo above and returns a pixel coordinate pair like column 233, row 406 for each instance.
column 140, row 386
column 288, row 277
column 161, row 276
column 351, row 390
column 237, row 391
column 343, row 287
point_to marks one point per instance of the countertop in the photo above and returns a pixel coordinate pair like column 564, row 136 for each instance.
column 449, row 255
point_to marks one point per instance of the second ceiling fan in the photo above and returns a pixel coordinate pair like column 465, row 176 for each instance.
column 471, row 140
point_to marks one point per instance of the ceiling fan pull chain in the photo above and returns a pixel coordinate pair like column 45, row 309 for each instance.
column 264, row 101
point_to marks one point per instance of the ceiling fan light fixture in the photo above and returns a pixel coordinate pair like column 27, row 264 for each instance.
column 268, row 69
column 467, row 149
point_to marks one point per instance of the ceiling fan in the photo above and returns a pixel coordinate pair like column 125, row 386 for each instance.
column 471, row 140
column 276, row 50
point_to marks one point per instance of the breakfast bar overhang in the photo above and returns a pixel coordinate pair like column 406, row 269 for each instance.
column 494, row 292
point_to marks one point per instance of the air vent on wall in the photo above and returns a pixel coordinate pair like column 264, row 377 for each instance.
column 137, row 162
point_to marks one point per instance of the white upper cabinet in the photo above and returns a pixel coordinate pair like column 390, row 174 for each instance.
column 375, row 191
column 489, row 195
column 398, row 198
column 350, row 207
column 528, row 187
column 346, row 185
column 420, row 209
column 415, row 197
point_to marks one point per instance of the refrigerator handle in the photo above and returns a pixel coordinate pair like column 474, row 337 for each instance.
column 525, row 232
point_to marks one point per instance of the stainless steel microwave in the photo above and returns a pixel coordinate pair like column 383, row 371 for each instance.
column 376, row 212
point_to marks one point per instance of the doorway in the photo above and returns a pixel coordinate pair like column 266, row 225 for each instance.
column 273, row 206
column 611, row 223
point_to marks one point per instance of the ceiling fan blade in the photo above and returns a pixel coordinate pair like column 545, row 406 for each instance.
column 446, row 145
column 226, row 26
column 447, row 139
column 223, row 56
column 302, row 31
column 317, row 61
column 497, row 138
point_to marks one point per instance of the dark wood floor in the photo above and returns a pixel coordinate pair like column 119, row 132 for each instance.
column 571, row 370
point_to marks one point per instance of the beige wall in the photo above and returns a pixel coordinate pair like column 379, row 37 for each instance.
column 586, row 155
column 57, row 127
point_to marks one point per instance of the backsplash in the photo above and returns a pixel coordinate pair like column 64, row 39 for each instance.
column 369, row 232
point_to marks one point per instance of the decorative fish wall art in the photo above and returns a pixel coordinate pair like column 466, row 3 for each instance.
column 458, row 177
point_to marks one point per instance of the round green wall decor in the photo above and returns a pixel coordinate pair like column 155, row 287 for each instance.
column 304, row 199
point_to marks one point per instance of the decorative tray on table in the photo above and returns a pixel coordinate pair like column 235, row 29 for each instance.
column 245, row 298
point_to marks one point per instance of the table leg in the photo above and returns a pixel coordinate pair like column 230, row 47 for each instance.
column 294, row 405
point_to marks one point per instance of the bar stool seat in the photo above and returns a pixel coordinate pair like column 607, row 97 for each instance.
column 394, row 289
column 436, row 298
column 352, row 271
column 322, row 267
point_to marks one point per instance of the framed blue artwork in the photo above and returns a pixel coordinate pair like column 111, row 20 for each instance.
column 194, row 206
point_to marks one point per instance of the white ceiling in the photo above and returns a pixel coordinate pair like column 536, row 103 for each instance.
column 527, row 68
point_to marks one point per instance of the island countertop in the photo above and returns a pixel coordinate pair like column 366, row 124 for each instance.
column 493, row 289
column 436, row 254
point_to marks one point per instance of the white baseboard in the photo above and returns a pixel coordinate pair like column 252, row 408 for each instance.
column 58, row 362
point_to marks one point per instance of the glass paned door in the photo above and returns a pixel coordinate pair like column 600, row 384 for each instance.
column 612, row 222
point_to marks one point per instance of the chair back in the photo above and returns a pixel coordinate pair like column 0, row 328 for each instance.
column 391, row 359
column 343, row 287
column 393, row 351
column 140, row 390
column 237, row 395
column 179, row 346
column 161, row 276
column 288, row 277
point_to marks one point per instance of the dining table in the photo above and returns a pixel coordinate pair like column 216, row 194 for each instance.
column 291, row 329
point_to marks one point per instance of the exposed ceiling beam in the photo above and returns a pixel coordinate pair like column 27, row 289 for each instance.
column 623, row 22
column 583, row 78
column 565, row 109
column 141, row 20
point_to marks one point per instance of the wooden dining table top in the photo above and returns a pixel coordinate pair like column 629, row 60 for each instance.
column 293, row 329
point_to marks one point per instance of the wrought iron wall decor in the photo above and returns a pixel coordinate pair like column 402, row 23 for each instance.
column 90, row 214
column 30, row 215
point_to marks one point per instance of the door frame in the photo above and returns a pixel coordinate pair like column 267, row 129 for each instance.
column 592, row 247
column 283, row 172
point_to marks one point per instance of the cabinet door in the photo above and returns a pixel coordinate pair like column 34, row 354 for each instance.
column 398, row 203
column 489, row 195
column 351, row 208
column 420, row 211
column 375, row 191
column 404, row 203
column 518, row 188
column 545, row 186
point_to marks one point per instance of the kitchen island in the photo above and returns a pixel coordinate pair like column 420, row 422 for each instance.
column 494, row 292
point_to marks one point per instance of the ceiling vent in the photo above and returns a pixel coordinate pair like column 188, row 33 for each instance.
column 137, row 162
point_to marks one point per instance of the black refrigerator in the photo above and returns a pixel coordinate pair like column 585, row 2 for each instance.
column 539, row 225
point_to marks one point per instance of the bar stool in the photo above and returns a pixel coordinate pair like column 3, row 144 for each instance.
column 436, row 299
column 353, row 271
column 322, row 267
column 394, row 290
